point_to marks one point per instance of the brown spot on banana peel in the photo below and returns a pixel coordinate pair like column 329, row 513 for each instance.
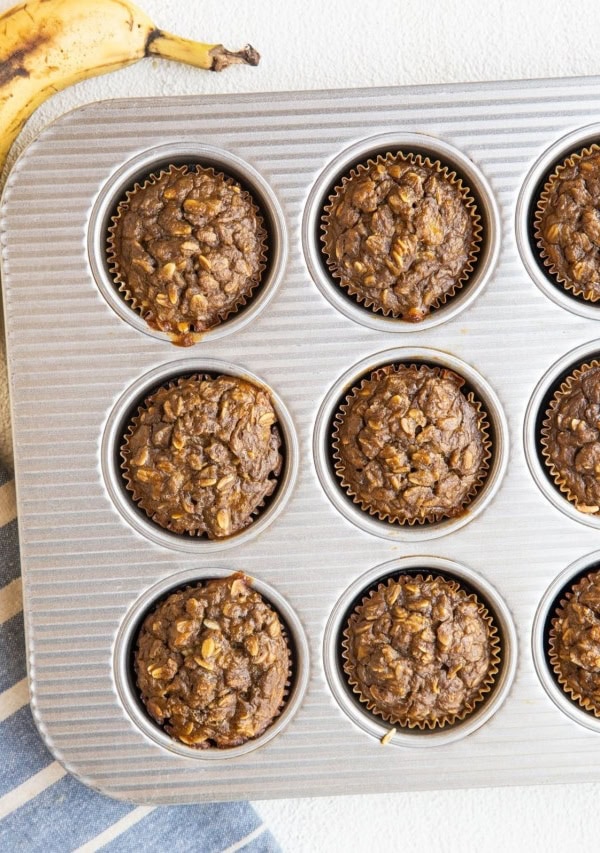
column 16, row 64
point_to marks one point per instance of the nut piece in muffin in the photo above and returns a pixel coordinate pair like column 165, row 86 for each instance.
column 202, row 455
column 187, row 249
column 571, row 438
column 420, row 651
column 212, row 663
column 567, row 224
column 574, row 643
column 401, row 234
column 409, row 445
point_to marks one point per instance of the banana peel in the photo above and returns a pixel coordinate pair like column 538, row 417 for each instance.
column 47, row 45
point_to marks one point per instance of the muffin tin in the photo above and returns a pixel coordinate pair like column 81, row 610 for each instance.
column 80, row 359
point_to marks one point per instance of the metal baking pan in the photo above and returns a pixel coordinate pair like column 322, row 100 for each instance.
column 79, row 359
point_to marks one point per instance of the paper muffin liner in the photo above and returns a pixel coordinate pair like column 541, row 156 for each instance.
column 193, row 334
column 543, row 200
column 288, row 646
column 138, row 499
column 557, row 477
column 417, row 160
column 442, row 721
column 583, row 701
column 340, row 466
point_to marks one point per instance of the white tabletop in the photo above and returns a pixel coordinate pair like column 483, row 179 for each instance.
column 319, row 44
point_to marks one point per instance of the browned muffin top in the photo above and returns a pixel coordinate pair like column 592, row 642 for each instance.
column 399, row 236
column 212, row 663
column 188, row 248
column 418, row 651
column 575, row 642
column 568, row 228
column 202, row 455
column 409, row 444
column 571, row 438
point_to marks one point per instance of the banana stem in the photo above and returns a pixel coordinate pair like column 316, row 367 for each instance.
column 213, row 57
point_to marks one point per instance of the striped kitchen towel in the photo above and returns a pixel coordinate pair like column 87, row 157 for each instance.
column 42, row 808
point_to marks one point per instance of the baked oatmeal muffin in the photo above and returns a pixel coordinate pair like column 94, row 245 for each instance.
column 571, row 438
column 187, row 248
column 401, row 234
column 574, row 643
column 212, row 663
column 409, row 445
column 567, row 223
column 420, row 651
column 202, row 454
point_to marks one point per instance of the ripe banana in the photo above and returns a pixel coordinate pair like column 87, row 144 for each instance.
column 46, row 45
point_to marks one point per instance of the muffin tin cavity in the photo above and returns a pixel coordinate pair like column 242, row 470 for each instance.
column 357, row 711
column 152, row 162
column 540, row 639
column 409, row 144
column 125, row 678
column 324, row 450
column 534, row 421
column 527, row 203
column 117, row 428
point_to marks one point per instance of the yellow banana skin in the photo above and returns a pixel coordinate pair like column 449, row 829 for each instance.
column 47, row 45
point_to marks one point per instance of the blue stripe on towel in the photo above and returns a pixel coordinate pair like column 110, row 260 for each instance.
column 10, row 566
column 60, row 819
column 12, row 659
column 22, row 752
column 208, row 828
